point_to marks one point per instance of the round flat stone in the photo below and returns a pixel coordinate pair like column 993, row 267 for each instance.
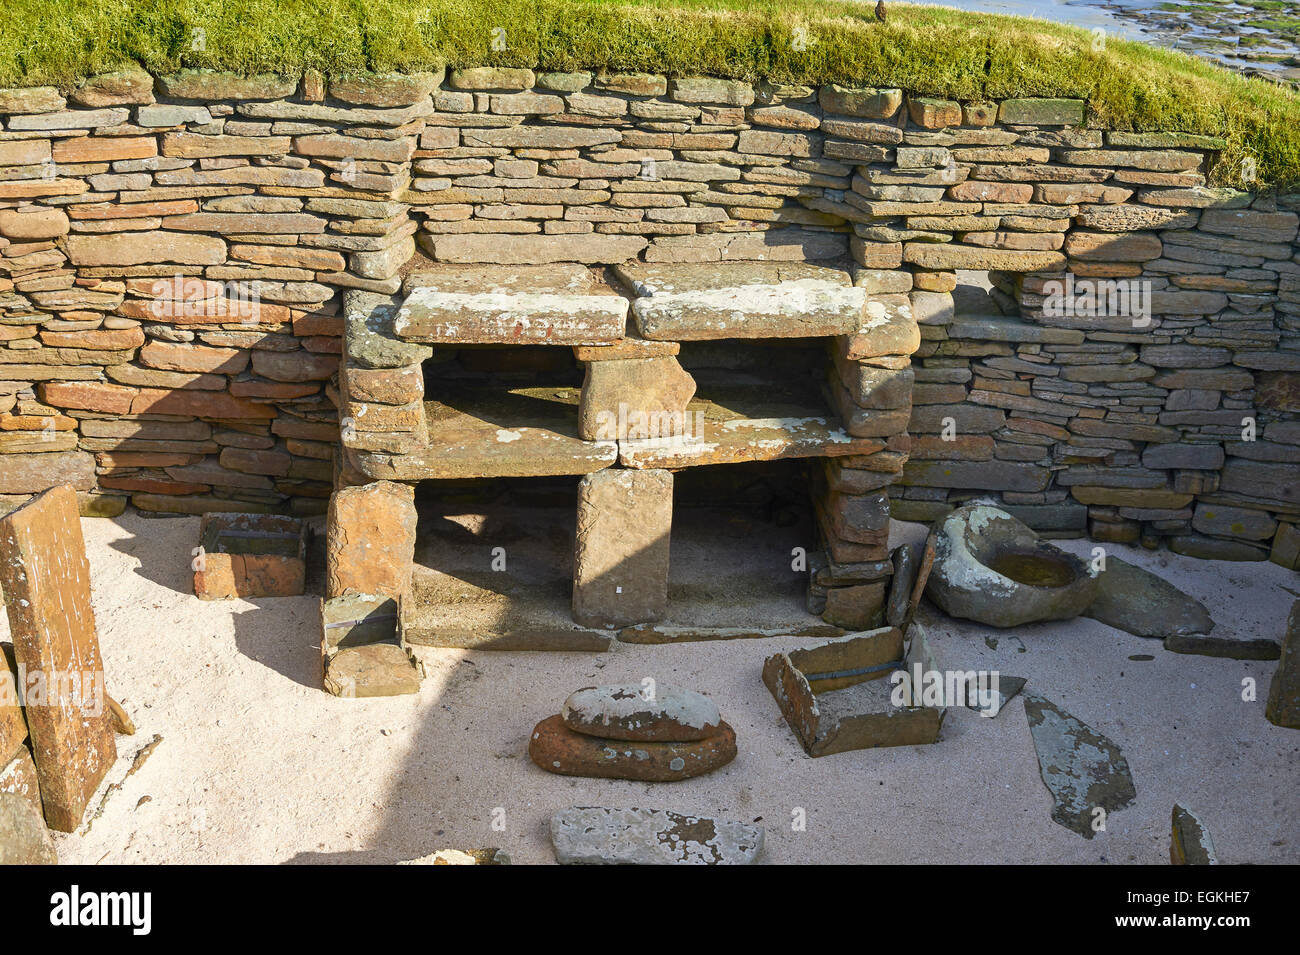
column 557, row 749
column 629, row 712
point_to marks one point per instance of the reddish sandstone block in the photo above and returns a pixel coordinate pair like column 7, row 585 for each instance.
column 203, row 404
column 104, row 149
column 87, row 396
column 370, row 540
column 46, row 580
column 250, row 555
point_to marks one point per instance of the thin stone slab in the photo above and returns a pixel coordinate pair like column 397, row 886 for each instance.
column 483, row 432
column 46, row 579
column 599, row 836
column 1138, row 602
column 496, row 304
column 742, row 300
column 1283, row 708
column 734, row 422
column 1084, row 770
column 659, row 634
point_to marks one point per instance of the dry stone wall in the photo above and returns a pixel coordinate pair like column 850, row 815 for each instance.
column 173, row 253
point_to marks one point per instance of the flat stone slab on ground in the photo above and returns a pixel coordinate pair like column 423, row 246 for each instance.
column 742, row 300
column 46, row 579
column 418, row 633
column 557, row 749
column 598, row 836
column 663, row 633
column 499, row 304
column 1146, row 605
column 377, row 669
column 1228, row 643
column 639, row 712
column 1084, row 770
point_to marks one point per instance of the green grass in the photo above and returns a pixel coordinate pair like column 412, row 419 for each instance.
column 926, row 50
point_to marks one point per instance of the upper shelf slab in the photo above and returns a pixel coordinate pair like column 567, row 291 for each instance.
column 742, row 300
column 511, row 305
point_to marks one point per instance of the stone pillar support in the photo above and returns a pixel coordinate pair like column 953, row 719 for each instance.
column 620, row 573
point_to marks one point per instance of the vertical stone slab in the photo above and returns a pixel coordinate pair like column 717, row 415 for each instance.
column 1283, row 707
column 620, row 567
column 47, row 580
column 370, row 540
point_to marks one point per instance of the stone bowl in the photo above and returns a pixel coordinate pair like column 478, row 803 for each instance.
column 991, row 568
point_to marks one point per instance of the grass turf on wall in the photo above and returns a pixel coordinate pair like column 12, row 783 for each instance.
column 925, row 50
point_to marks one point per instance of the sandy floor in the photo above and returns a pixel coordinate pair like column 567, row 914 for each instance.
column 256, row 764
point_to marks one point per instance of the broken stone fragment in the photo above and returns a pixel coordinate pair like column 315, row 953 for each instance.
column 1283, row 707
column 1141, row 603
column 991, row 568
column 635, row 712
column 1227, row 643
column 377, row 669
column 1086, row 773
column 1190, row 842
column 635, row 398
column 557, row 749
column 599, row 836
column 24, row 840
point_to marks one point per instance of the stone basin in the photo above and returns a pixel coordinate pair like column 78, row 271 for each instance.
column 991, row 568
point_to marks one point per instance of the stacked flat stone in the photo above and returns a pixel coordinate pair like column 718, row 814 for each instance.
column 641, row 732
column 175, row 253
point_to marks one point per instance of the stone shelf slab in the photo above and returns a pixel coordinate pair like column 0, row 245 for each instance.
column 495, row 304
column 742, row 300
column 737, row 422
column 483, row 432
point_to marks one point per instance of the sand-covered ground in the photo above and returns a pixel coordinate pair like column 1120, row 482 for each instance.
column 257, row 765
